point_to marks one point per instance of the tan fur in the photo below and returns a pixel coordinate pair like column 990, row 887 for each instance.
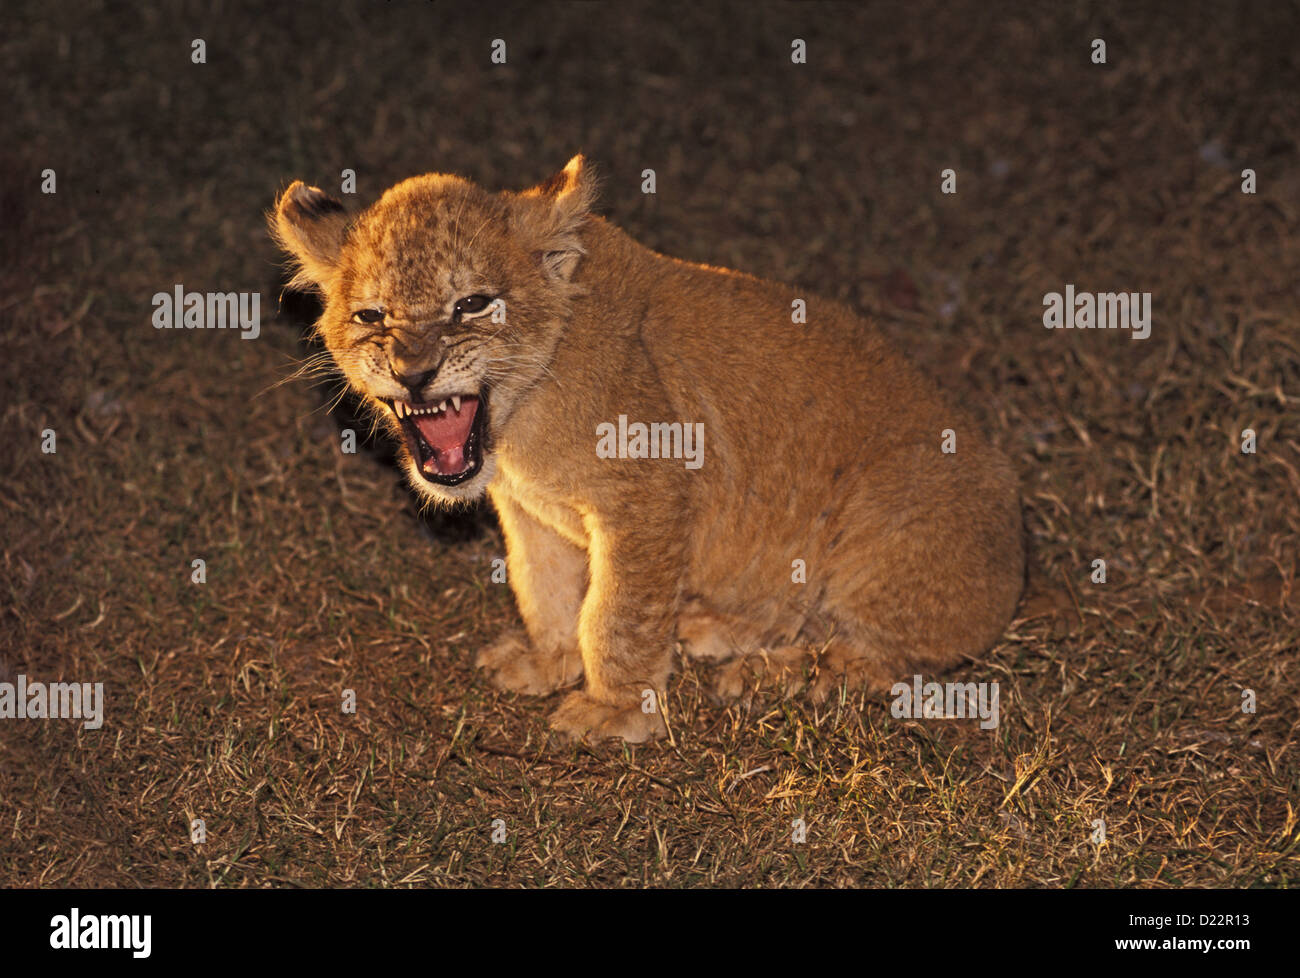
column 821, row 444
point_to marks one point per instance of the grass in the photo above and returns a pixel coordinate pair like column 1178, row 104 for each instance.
column 1119, row 702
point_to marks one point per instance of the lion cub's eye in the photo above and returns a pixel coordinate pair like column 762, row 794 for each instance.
column 367, row 316
column 468, row 306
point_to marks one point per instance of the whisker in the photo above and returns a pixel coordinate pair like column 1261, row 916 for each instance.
column 312, row 368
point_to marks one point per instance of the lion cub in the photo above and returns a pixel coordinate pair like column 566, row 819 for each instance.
column 672, row 454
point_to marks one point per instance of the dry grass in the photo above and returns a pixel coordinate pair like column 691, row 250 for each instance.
column 1119, row 701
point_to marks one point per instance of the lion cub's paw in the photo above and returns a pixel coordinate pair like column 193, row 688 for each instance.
column 786, row 668
column 705, row 636
column 844, row 667
column 580, row 716
column 512, row 664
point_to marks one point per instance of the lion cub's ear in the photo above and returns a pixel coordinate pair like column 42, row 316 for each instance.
column 550, row 215
column 310, row 225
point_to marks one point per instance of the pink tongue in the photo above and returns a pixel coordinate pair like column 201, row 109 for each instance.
column 447, row 432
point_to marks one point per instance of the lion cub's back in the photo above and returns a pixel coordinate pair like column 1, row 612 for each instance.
column 823, row 444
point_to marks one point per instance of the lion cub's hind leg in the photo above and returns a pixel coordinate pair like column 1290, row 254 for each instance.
column 819, row 670
column 786, row 668
column 712, row 637
column 853, row 666
column 748, row 658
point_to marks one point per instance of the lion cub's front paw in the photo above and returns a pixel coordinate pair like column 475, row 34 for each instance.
column 582, row 716
column 512, row 664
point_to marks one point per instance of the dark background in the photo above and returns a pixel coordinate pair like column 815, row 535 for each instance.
column 1120, row 702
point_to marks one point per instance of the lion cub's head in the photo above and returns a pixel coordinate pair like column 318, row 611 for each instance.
column 443, row 304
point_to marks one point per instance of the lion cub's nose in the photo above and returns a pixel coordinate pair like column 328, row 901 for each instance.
column 407, row 363
column 413, row 381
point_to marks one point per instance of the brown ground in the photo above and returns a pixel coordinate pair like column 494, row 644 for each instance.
column 1120, row 702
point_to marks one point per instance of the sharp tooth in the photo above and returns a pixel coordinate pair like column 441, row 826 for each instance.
column 442, row 406
column 455, row 402
column 403, row 408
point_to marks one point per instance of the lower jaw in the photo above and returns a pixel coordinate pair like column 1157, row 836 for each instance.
column 445, row 481
column 423, row 455
column 466, row 487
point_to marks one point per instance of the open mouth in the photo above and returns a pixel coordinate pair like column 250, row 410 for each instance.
column 445, row 438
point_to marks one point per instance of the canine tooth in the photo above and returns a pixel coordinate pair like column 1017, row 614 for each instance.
column 455, row 402
column 403, row 408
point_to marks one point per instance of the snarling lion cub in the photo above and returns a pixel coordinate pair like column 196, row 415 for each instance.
column 676, row 452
